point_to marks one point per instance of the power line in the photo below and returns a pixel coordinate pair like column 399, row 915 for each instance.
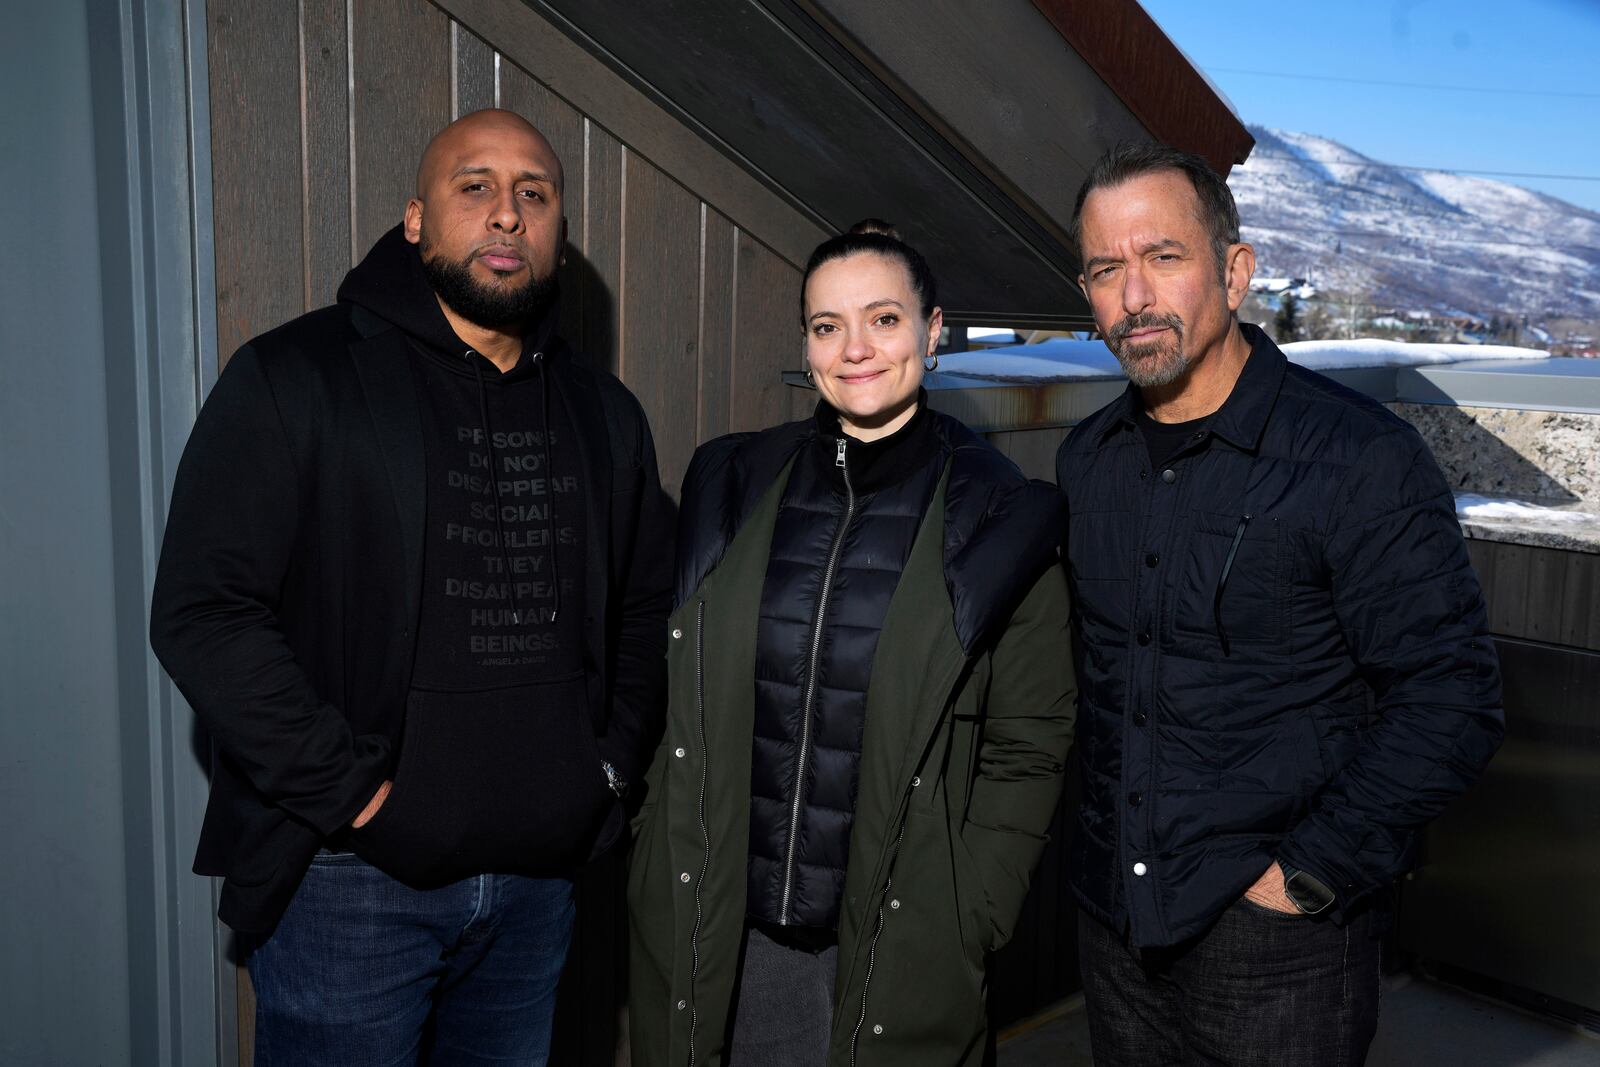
column 1331, row 232
column 1425, row 170
column 1571, row 94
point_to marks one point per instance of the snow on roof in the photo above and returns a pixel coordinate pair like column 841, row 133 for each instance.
column 1370, row 352
column 1060, row 359
column 1054, row 360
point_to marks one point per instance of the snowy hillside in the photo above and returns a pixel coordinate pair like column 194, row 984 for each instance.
column 1444, row 243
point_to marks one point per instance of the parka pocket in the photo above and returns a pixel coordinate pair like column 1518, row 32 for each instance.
column 927, row 980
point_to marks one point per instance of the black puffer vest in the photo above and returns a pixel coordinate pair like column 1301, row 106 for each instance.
column 849, row 514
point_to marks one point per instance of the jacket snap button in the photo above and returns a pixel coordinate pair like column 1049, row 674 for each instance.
column 895, row 904
column 1139, row 870
column 1135, row 798
column 1151, row 560
column 676, row 634
column 877, row 1028
column 684, row 877
column 682, row 1004
column 678, row 752
column 1140, row 718
column 916, row 781
column 1169, row 475
column 1144, row 637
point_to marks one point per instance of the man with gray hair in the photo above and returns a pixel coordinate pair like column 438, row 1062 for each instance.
column 1285, row 665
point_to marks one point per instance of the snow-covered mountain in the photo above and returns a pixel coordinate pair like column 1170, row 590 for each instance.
column 1445, row 243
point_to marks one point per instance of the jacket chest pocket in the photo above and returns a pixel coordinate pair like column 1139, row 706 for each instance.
column 1231, row 581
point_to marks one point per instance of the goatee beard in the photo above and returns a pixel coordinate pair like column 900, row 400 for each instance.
column 1154, row 363
column 491, row 307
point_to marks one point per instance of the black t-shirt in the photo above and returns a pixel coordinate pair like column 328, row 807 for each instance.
column 1163, row 439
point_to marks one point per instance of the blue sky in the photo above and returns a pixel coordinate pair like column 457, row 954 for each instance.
column 1540, row 59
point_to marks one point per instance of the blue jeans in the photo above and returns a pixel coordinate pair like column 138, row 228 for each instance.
column 1259, row 989
column 363, row 970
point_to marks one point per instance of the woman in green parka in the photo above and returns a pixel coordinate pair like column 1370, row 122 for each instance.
column 871, row 701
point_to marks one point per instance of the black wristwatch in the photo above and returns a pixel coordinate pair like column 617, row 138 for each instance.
column 1305, row 891
column 618, row 784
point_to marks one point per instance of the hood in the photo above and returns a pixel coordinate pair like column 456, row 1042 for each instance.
column 390, row 283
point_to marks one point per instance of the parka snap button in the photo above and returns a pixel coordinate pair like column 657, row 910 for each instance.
column 1144, row 637
column 1151, row 560
column 1169, row 475
column 684, row 877
column 678, row 752
column 877, row 1028
column 1140, row 718
column 1140, row 870
column 1135, row 798
column 916, row 781
column 894, row 904
column 682, row 1004
column 676, row 634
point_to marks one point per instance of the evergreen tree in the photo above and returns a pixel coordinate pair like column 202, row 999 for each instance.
column 1287, row 324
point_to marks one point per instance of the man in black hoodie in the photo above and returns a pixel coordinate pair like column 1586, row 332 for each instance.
column 415, row 583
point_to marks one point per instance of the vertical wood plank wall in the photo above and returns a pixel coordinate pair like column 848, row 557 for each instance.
column 320, row 110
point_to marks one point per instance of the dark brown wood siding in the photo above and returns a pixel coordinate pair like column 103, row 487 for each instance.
column 1152, row 77
column 319, row 114
column 1540, row 594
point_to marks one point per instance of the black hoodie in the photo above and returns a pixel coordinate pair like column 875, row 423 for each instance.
column 292, row 597
column 498, row 770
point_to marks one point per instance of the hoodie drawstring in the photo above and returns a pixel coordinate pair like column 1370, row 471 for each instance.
column 494, row 483
column 550, row 508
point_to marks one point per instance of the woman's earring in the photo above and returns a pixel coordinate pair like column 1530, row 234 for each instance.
column 930, row 366
column 806, row 374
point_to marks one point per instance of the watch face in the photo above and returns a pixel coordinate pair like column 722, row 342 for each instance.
column 1309, row 895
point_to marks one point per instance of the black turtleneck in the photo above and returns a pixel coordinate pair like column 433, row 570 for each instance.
column 875, row 465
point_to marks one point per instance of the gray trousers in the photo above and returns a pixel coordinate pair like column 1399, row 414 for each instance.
column 784, row 1010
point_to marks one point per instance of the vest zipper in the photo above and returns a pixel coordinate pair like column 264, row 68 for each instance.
column 811, row 682
column 705, row 835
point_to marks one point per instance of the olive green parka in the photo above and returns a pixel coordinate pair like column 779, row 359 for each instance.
column 969, row 717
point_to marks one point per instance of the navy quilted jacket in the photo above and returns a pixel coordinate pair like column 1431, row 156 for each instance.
column 1284, row 651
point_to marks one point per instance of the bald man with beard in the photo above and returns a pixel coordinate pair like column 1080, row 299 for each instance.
column 415, row 583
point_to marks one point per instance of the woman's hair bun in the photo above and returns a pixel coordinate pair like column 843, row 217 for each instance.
column 877, row 226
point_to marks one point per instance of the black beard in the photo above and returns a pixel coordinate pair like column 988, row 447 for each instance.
column 492, row 308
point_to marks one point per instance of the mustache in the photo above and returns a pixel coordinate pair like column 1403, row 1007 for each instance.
column 1142, row 321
